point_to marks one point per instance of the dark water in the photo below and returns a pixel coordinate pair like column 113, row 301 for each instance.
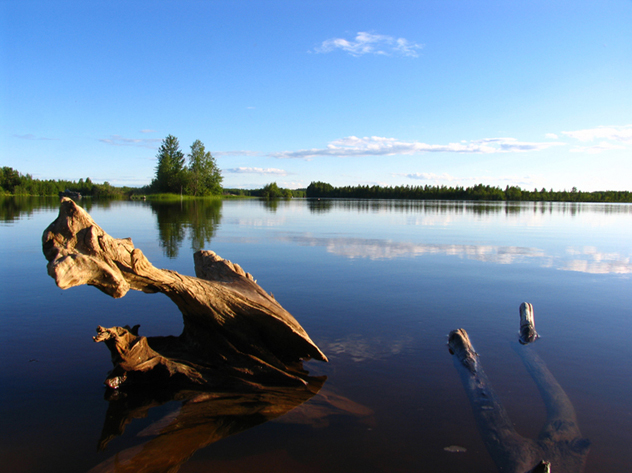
column 378, row 285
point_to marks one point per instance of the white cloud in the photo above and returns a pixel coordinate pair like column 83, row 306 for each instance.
column 603, row 146
column 292, row 184
column 147, row 131
column 247, row 170
column 117, row 140
column 622, row 134
column 512, row 145
column 552, row 136
column 380, row 146
column 614, row 137
column 369, row 43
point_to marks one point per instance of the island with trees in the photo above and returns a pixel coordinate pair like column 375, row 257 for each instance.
column 200, row 177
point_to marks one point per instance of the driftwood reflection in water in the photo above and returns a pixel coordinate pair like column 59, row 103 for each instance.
column 206, row 417
column 559, row 447
column 201, row 419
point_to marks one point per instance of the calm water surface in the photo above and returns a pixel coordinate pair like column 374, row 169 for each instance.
column 378, row 285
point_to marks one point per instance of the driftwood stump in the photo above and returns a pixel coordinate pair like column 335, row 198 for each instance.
column 233, row 329
column 559, row 448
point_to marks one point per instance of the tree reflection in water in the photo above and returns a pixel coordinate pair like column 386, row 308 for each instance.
column 196, row 219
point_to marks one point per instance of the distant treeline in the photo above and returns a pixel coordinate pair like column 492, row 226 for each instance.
column 477, row 192
column 12, row 182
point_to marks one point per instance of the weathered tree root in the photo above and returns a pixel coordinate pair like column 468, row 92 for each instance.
column 559, row 448
column 232, row 327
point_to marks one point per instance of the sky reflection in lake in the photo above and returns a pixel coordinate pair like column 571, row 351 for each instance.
column 588, row 259
column 378, row 285
column 468, row 222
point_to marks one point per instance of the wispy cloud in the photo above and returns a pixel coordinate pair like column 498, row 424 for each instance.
column 30, row 136
column 380, row 146
column 614, row 137
column 117, row 140
column 147, row 131
column 622, row 134
column 601, row 147
column 369, row 43
column 247, row 170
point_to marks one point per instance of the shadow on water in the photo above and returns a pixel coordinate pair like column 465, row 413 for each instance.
column 196, row 220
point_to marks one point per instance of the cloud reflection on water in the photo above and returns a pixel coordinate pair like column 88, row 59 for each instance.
column 595, row 262
column 360, row 349
column 585, row 260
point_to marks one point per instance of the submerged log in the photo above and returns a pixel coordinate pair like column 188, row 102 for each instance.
column 232, row 327
column 559, row 448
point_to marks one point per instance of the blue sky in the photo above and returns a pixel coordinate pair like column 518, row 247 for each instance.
column 534, row 93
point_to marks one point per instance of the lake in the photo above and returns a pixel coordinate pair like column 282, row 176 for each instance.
column 378, row 286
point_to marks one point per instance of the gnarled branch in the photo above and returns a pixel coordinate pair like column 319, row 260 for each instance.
column 231, row 325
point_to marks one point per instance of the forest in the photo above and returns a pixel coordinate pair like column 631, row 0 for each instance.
column 12, row 182
column 477, row 192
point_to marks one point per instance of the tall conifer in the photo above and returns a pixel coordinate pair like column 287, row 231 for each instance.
column 170, row 167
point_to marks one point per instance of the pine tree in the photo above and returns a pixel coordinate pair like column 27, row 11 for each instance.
column 170, row 167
